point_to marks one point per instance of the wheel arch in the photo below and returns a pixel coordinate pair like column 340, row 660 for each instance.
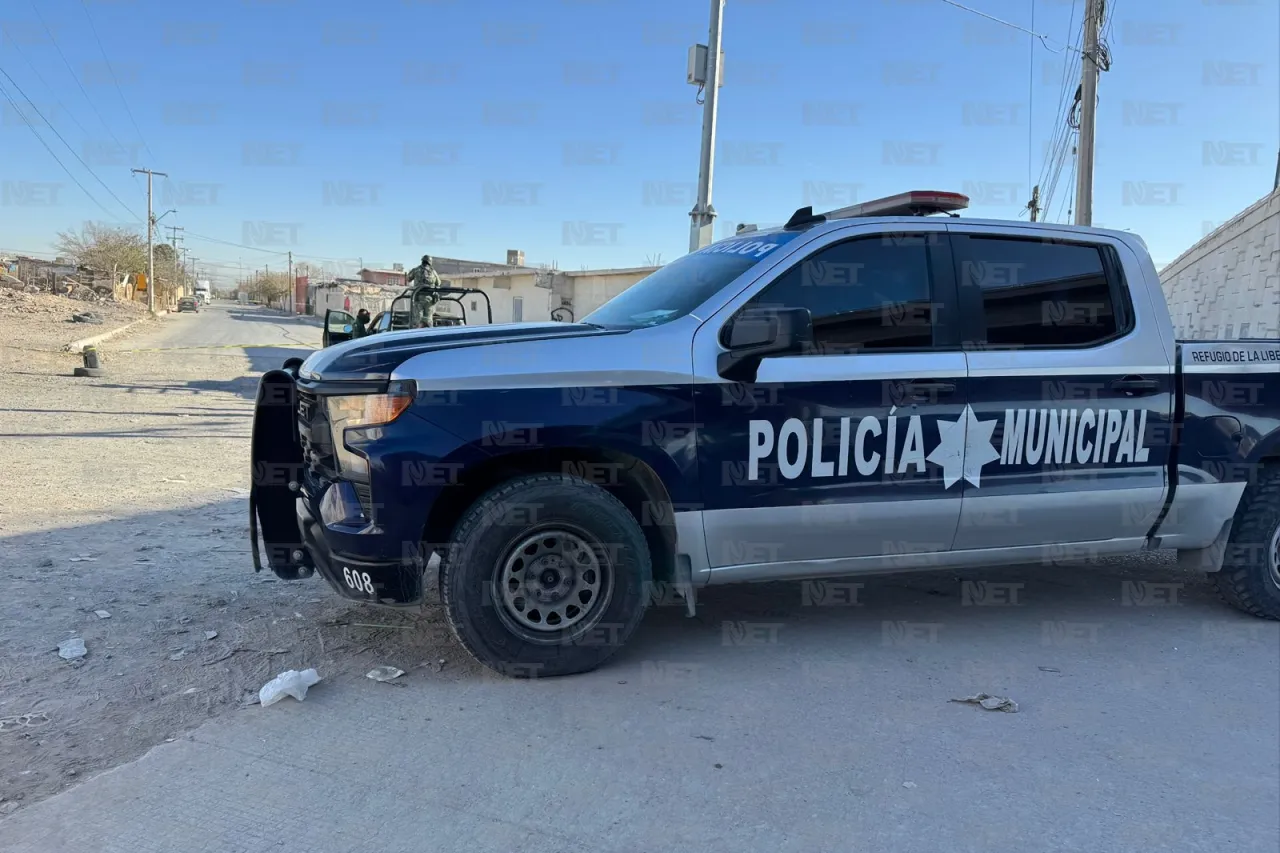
column 626, row 476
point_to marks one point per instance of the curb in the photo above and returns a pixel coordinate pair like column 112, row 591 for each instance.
column 78, row 346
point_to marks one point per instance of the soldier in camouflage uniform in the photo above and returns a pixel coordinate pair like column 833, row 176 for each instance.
column 423, row 274
column 424, row 305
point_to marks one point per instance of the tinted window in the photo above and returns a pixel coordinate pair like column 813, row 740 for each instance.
column 1040, row 294
column 682, row 285
column 862, row 294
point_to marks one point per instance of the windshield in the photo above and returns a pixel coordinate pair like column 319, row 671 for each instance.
column 682, row 285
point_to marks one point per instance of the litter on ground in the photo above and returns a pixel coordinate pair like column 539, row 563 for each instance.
column 990, row 703
column 290, row 683
column 384, row 673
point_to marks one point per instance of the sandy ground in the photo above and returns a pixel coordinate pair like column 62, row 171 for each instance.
column 41, row 322
column 127, row 494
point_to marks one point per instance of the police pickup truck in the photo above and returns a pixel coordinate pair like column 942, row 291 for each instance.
column 869, row 390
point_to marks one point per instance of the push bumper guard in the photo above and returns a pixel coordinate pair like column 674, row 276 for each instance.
column 283, row 526
column 277, row 465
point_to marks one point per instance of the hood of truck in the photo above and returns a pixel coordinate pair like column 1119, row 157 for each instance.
column 594, row 358
column 375, row 357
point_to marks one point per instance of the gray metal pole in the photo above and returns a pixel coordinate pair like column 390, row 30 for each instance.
column 1088, row 112
column 703, row 216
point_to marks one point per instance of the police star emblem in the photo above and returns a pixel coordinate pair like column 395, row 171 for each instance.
column 964, row 447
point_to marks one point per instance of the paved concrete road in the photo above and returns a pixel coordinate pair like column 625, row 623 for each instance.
column 763, row 725
column 262, row 334
column 784, row 718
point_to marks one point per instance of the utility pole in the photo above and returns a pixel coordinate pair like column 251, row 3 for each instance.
column 1034, row 204
column 173, row 239
column 703, row 216
column 292, row 286
column 151, row 258
column 1088, row 112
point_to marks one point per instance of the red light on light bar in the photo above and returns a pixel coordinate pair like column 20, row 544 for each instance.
column 914, row 203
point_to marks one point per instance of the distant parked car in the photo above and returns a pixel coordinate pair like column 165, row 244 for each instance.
column 188, row 303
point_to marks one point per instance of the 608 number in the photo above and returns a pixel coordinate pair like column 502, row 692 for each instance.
column 359, row 581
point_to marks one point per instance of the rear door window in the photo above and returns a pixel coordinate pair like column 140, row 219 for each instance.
column 1041, row 294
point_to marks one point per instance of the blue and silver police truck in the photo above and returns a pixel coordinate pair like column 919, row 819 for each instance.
column 870, row 390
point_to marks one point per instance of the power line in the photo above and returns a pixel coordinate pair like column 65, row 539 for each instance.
column 1031, row 107
column 267, row 251
column 1044, row 39
column 64, row 142
column 112, row 72
column 76, row 78
column 92, row 198
column 1060, row 140
column 40, row 77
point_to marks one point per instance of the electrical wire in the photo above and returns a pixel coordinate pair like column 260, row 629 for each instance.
column 1054, row 148
column 76, row 181
column 296, row 255
column 1031, row 108
column 1063, row 134
column 76, row 78
column 112, row 72
column 67, row 144
column 1044, row 39
column 18, row 50
column 1068, row 199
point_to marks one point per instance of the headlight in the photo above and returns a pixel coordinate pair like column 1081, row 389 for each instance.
column 364, row 410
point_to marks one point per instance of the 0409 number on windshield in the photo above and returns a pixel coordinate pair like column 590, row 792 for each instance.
column 358, row 581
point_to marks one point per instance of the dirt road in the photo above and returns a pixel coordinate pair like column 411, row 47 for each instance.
column 126, row 494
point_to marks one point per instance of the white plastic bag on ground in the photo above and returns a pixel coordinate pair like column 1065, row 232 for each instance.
column 291, row 683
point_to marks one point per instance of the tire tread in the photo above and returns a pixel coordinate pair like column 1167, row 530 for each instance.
column 468, row 526
column 1243, row 583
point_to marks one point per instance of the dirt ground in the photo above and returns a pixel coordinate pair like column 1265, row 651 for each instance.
column 42, row 322
column 124, row 522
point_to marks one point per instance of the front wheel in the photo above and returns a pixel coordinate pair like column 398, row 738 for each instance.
column 1250, row 576
column 547, row 575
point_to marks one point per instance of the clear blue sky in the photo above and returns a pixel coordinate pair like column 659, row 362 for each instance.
column 824, row 102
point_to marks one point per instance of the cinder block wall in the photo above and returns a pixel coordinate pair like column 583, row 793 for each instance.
column 1228, row 284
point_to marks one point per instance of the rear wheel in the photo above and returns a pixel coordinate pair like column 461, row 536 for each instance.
column 547, row 575
column 1250, row 576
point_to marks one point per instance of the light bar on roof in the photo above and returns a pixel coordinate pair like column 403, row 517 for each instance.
column 914, row 203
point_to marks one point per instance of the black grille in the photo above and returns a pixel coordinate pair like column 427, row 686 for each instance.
column 317, row 445
column 321, row 466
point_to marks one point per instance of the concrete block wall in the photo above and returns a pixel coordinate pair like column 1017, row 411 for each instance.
column 1228, row 284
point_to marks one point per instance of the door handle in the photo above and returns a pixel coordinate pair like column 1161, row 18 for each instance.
column 1135, row 386
column 928, row 390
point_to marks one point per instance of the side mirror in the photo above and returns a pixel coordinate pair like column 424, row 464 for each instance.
column 759, row 332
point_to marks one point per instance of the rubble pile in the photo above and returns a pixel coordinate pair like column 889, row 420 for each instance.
column 44, row 321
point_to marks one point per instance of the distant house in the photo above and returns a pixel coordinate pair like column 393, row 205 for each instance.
column 45, row 274
column 446, row 267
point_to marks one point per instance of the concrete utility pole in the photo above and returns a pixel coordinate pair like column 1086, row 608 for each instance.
column 151, row 258
column 1088, row 112
column 703, row 216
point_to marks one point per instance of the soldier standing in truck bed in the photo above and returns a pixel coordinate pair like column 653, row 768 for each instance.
column 423, row 274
